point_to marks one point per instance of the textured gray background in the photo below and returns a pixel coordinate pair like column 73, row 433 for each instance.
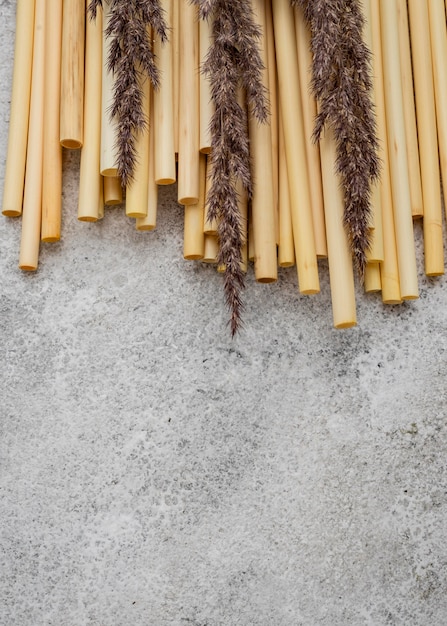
column 155, row 472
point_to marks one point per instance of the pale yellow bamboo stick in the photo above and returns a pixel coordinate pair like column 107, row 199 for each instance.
column 175, row 34
column 428, row 143
column 113, row 190
column 72, row 74
column 32, row 199
column 137, row 189
column 19, row 110
column 251, row 245
column 52, row 150
column 188, row 155
column 209, row 225
column 438, row 39
column 90, row 181
column 372, row 283
column 274, row 109
column 339, row 255
column 411, row 133
column 193, row 235
column 150, row 221
column 243, row 210
column 286, row 251
column 291, row 111
column 262, row 205
column 389, row 270
column 211, row 249
column 398, row 152
column 108, row 161
column 312, row 149
column 163, row 99
column 101, row 198
column 206, row 104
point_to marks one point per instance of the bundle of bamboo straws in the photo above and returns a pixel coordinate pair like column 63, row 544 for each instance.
column 296, row 213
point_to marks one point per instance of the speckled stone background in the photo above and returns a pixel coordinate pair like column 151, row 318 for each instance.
column 155, row 472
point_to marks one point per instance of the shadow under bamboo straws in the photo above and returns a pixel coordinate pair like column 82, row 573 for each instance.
column 260, row 167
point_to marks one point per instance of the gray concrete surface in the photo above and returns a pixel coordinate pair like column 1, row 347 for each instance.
column 155, row 472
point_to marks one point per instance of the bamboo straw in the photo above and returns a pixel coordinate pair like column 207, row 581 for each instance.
column 72, row 74
column 263, row 208
column 209, row 225
column 243, row 210
column 101, row 198
column 137, row 189
column 372, row 282
column 108, row 165
column 193, row 235
column 397, row 152
column 90, row 181
column 163, row 99
column 211, row 249
column 428, row 144
column 411, row 133
column 339, row 255
column 251, row 245
column 52, row 150
column 32, row 199
column 438, row 39
column 113, row 190
column 20, row 109
column 286, row 252
column 312, row 149
column 175, row 65
column 206, row 104
column 291, row 111
column 389, row 271
column 188, row 155
column 150, row 221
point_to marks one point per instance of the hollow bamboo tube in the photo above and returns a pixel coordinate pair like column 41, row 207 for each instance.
column 188, row 149
column 438, row 39
column 108, row 166
column 389, row 270
column 206, row 104
column 137, row 189
column 398, row 152
column 175, row 33
column 339, row 255
column 291, row 111
column 72, row 74
column 372, row 282
column 101, row 198
column 209, row 225
column 90, row 181
column 243, row 210
column 20, row 109
column 193, row 235
column 262, row 204
column 211, row 249
column 251, row 245
column 286, row 251
column 32, row 198
column 150, row 221
column 113, row 190
column 428, row 142
column 312, row 149
column 163, row 99
column 52, row 150
column 411, row 133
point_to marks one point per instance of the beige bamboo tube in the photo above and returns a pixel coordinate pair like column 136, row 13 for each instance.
column 163, row 99
column 251, row 244
column 20, row 109
column 411, row 133
column 312, row 149
column 193, row 235
column 389, row 271
column 52, row 150
column 428, row 142
column 101, row 198
column 398, row 152
column 188, row 149
column 286, row 251
column 137, row 189
column 438, row 39
column 211, row 249
column 90, row 181
column 372, row 282
column 339, row 255
column 243, row 209
column 206, row 104
column 150, row 221
column 175, row 34
column 292, row 116
column 262, row 203
column 112, row 190
column 72, row 74
column 32, row 197
column 108, row 165
column 274, row 109
column 209, row 225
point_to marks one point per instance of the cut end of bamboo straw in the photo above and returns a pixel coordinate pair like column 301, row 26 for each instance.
column 349, row 324
column 71, row 144
column 87, row 219
column 11, row 213
column 165, row 181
